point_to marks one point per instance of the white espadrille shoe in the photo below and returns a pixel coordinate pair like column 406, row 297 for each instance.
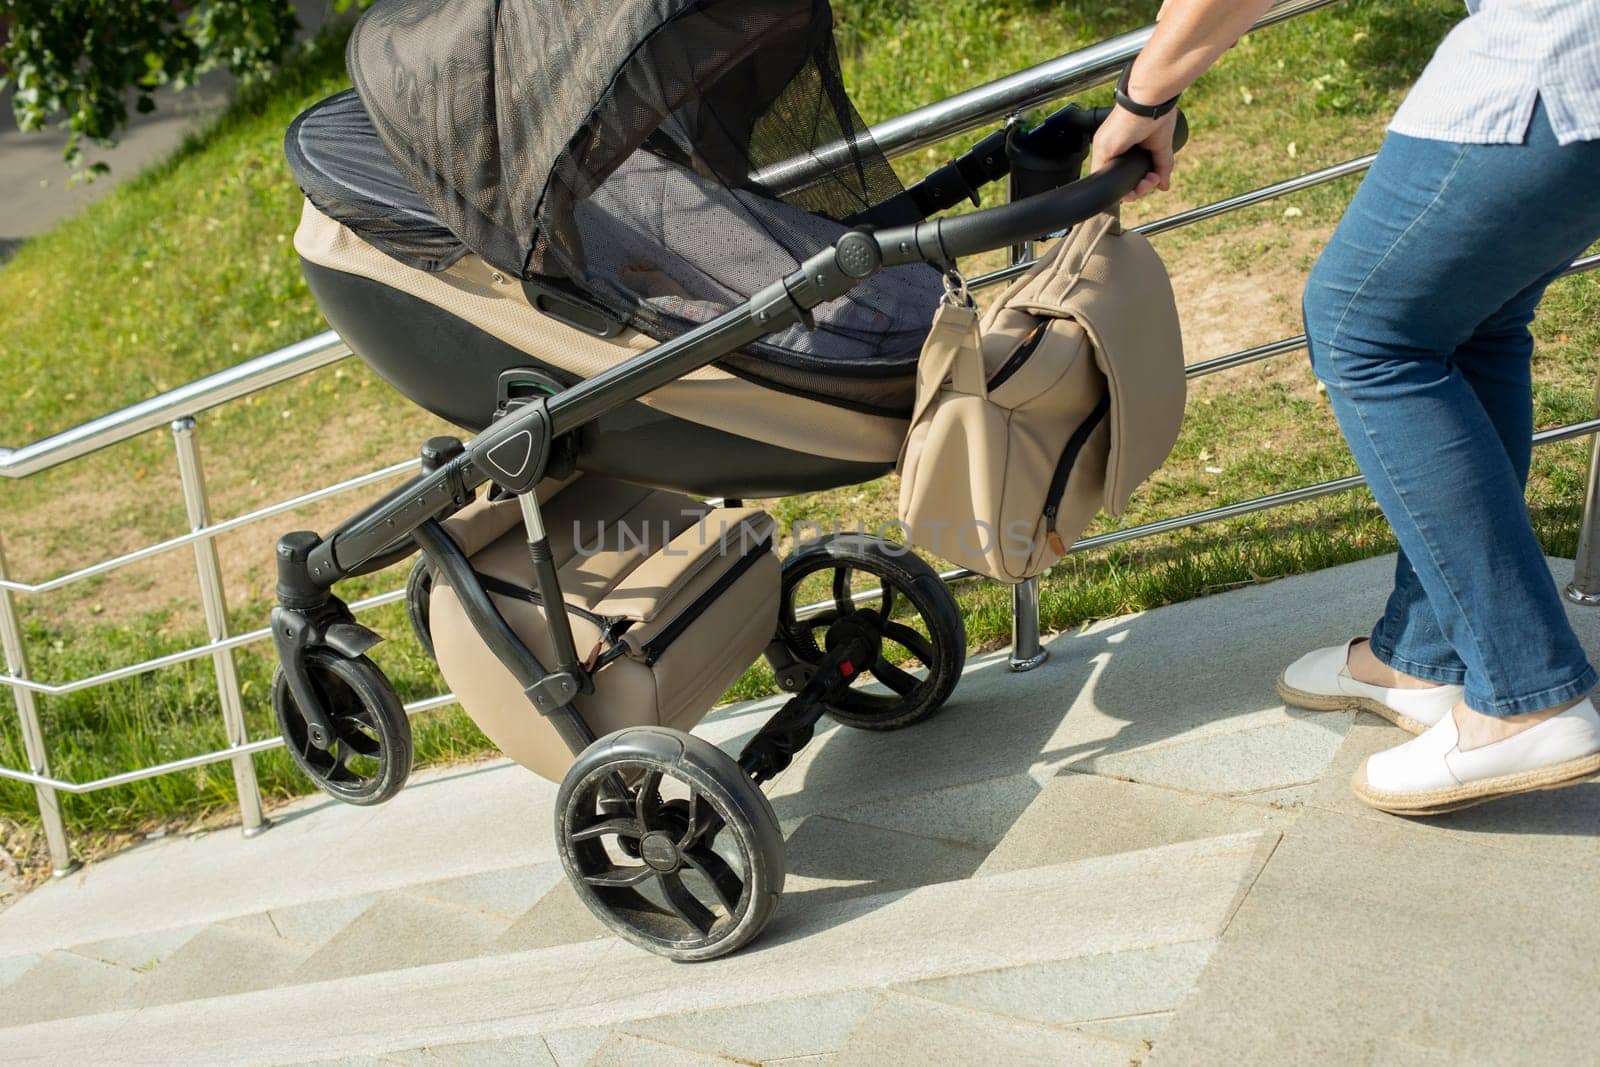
column 1321, row 681
column 1430, row 775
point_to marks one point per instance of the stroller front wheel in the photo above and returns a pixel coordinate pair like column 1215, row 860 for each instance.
column 669, row 844
column 370, row 757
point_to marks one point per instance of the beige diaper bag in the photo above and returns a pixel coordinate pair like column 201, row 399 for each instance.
column 1054, row 404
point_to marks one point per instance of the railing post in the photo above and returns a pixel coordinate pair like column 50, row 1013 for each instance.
column 1584, row 588
column 1026, row 652
column 216, row 611
column 55, row 831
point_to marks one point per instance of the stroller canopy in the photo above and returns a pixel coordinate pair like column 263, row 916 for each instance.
column 506, row 115
column 608, row 146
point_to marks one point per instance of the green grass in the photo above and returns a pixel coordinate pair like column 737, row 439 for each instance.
column 188, row 269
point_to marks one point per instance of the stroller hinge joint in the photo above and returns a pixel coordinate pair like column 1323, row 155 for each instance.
column 514, row 450
column 553, row 692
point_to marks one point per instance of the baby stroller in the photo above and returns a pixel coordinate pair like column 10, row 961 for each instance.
column 646, row 253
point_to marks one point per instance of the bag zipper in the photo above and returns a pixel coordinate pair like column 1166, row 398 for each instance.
column 611, row 626
column 1069, row 457
column 669, row 633
column 1014, row 362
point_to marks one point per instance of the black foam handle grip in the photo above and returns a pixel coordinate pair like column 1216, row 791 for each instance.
column 945, row 240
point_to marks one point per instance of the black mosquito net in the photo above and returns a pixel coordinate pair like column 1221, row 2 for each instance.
column 345, row 171
column 610, row 145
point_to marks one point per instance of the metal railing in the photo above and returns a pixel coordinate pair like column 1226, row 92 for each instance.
column 177, row 409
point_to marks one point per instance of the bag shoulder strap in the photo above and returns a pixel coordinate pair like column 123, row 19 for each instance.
column 952, row 352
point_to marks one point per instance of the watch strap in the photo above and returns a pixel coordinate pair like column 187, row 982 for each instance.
column 1127, row 103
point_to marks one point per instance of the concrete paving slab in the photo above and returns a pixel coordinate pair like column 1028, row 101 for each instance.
column 995, row 726
column 1178, row 893
column 14, row 967
column 1142, row 1031
column 1285, row 799
column 943, row 1033
column 979, row 813
column 509, row 892
column 1360, row 935
column 140, row 952
column 624, row 1050
column 1243, row 761
column 756, row 1033
column 953, row 927
column 401, row 931
column 513, row 1052
column 318, row 849
column 219, row 961
column 837, row 858
column 64, row 984
column 574, row 1046
column 1077, row 816
column 318, row 921
column 559, row 918
column 1081, row 991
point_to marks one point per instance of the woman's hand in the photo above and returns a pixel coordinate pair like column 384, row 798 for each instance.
column 1123, row 130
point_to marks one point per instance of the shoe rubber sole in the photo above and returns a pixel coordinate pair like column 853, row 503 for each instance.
column 1441, row 801
column 1343, row 702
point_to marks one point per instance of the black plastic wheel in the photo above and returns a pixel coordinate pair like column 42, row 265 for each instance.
column 419, row 588
column 669, row 844
column 370, row 757
column 924, row 649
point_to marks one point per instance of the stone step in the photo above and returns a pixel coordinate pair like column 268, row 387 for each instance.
column 439, row 921
column 838, row 976
column 842, row 843
column 943, row 835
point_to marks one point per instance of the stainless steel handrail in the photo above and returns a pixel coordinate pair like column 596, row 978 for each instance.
column 188, row 763
column 210, row 531
column 200, row 395
column 173, row 659
column 1040, row 84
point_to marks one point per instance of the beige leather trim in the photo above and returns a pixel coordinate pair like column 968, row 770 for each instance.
column 483, row 521
column 491, row 695
column 494, row 302
column 667, row 575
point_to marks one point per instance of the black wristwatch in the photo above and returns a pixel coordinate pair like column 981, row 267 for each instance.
column 1145, row 111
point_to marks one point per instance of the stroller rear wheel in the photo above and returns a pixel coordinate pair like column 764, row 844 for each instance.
column 875, row 582
column 419, row 587
column 669, row 844
column 370, row 757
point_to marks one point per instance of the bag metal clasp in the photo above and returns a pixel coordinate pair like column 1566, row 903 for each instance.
column 956, row 293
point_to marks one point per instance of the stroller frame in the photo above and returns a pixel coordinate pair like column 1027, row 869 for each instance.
column 529, row 440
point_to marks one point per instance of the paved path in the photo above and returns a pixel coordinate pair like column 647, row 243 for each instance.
column 1132, row 854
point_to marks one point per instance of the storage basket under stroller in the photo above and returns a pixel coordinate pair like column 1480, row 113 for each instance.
column 669, row 601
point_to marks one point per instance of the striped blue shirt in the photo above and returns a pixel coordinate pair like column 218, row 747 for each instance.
column 1483, row 82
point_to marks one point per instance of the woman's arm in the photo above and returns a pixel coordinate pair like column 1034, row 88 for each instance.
column 1188, row 38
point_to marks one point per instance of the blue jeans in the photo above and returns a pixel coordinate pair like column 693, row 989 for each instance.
column 1417, row 314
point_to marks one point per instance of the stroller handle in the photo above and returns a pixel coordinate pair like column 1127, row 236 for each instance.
column 943, row 241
